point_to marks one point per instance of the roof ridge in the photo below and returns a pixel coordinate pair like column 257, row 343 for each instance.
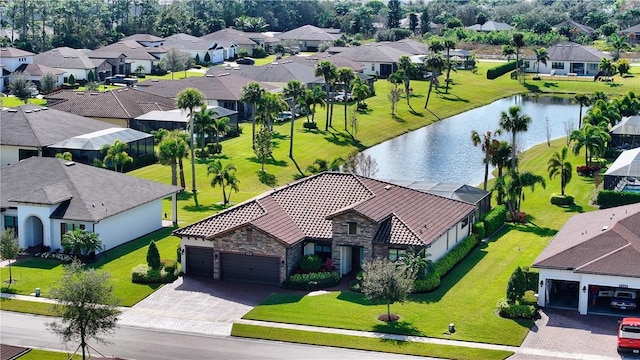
column 120, row 103
column 602, row 256
column 393, row 214
column 24, row 114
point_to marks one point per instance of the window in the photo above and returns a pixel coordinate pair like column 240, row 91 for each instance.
column 249, row 234
column 396, row 254
column 527, row 64
column 323, row 251
column 593, row 67
column 557, row 65
column 465, row 222
column 353, row 228
column 11, row 222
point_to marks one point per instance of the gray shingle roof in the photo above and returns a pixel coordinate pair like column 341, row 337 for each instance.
column 142, row 37
column 64, row 58
column 228, row 35
column 603, row 242
column 310, row 33
column 574, row 25
column 570, row 51
column 31, row 125
column 125, row 103
column 375, row 52
column 132, row 49
column 187, row 42
column 86, row 193
column 305, row 208
column 409, row 46
column 10, row 52
column 278, row 72
column 38, row 70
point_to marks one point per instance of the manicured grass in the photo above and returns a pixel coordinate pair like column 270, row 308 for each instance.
column 360, row 343
column 12, row 101
column 176, row 76
column 29, row 307
column 31, row 273
column 35, row 354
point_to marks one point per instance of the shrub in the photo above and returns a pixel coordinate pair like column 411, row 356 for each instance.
column 259, row 53
column 478, row 229
column 557, row 199
column 587, row 170
column 517, row 217
column 179, row 253
column 610, row 198
column 532, row 279
column 310, row 125
column 518, row 312
column 500, row 70
column 447, row 262
column 600, row 162
column 311, row 263
column 494, row 219
column 213, row 149
column 529, row 298
column 153, row 256
column 169, row 265
column 516, row 286
column 143, row 274
column 427, row 283
column 312, row 281
column 201, row 154
column 72, row 80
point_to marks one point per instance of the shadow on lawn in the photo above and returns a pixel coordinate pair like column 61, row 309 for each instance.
column 397, row 327
column 535, row 229
column 131, row 246
column 342, row 139
column 268, row 161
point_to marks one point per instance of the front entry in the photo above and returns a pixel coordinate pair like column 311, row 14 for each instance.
column 33, row 232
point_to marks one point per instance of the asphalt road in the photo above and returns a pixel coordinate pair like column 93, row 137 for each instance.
column 137, row 343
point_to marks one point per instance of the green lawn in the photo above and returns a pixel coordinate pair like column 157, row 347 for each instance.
column 12, row 101
column 36, row 354
column 29, row 307
column 176, row 76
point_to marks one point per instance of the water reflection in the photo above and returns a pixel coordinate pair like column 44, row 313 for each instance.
column 444, row 152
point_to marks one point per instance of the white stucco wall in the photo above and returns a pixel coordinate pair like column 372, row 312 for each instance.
column 11, row 64
column 448, row 241
column 10, row 155
column 146, row 64
column 191, row 242
column 25, row 224
column 129, row 225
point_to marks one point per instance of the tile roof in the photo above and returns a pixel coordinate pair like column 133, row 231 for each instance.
column 85, row 193
column 32, row 125
column 632, row 29
column 227, row 35
column 603, row 242
column 570, row 51
column 337, row 59
column 12, row 352
column 125, row 103
column 10, row 52
column 64, row 58
column 309, row 33
column 305, row 208
column 225, row 85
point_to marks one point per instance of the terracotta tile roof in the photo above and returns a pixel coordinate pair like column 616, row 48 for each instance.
column 601, row 242
column 125, row 103
column 305, row 208
column 9, row 352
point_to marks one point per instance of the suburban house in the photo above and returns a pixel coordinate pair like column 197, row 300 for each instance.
column 574, row 27
column 73, row 62
column 146, row 40
column 277, row 74
column 10, row 60
column 43, row 198
column 224, row 89
column 343, row 217
column 377, row 59
column 567, row 58
column 117, row 107
column 633, row 33
column 196, row 47
column 624, row 173
column 178, row 119
column 129, row 56
column 626, row 133
column 309, row 37
column 409, row 46
column 592, row 255
column 232, row 41
column 34, row 73
column 490, row 26
column 29, row 129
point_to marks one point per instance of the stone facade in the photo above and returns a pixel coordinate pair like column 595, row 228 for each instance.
column 363, row 238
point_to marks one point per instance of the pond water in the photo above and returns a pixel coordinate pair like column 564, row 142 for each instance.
column 443, row 151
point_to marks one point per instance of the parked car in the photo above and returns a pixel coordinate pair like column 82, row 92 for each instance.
column 624, row 299
column 120, row 79
column 340, row 96
column 245, row 61
column 629, row 335
column 284, row 116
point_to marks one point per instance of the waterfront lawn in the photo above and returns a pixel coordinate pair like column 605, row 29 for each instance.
column 371, row 344
column 31, row 272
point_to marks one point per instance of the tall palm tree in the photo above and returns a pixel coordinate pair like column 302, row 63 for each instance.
column 223, row 176
column 618, row 43
column 167, row 154
column 559, row 165
column 345, row 76
column 518, row 41
column 448, row 45
column 407, row 70
column 327, row 70
column 500, row 155
column 514, row 121
column 203, row 120
column 541, row 57
column 583, row 100
column 293, row 91
column 511, row 187
column 219, row 127
column 269, row 106
column 189, row 99
column 485, row 142
column 116, row 154
column 592, row 137
column 252, row 93
column 435, row 63
column 315, row 97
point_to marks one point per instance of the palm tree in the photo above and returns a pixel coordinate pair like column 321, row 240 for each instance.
column 559, row 165
column 514, row 121
column 327, row 70
column 293, row 91
column 406, row 68
column 345, row 76
column 541, row 57
column 220, row 127
column 360, row 91
column 511, row 188
column 223, row 176
column 269, row 106
column 116, row 154
column 592, row 137
column 485, row 143
column 508, row 51
column 252, row 93
column 518, row 41
column 618, row 43
column 583, row 100
column 167, row 154
column 435, row 63
column 203, row 120
column 608, row 67
column 189, row 99
column 500, row 155
column 315, row 97
column 448, row 45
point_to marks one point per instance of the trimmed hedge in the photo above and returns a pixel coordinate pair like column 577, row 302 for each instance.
column 143, row 274
column 529, row 298
column 478, row 230
column 312, row 281
column 447, row 262
column 557, row 199
column 500, row 70
column 533, row 278
column 609, row 198
column 310, row 125
column 428, row 283
column 518, row 311
column 494, row 219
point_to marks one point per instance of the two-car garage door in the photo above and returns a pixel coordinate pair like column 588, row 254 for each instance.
column 258, row 269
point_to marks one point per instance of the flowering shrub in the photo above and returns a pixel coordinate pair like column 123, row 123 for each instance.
column 588, row 170
column 517, row 217
column 65, row 258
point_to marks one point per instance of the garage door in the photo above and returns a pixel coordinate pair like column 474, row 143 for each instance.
column 199, row 261
column 258, row 269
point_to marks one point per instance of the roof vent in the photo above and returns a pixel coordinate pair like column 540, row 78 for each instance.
column 69, row 163
column 604, row 228
column 28, row 111
column 387, row 187
column 45, row 108
column 13, row 110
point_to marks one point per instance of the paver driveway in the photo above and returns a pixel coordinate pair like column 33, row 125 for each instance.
column 196, row 305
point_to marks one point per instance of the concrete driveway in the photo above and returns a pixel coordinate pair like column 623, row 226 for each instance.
column 196, row 305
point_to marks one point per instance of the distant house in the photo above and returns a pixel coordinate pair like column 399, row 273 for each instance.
column 575, row 27
column 129, row 56
column 624, row 173
column 195, row 46
column 43, row 198
column 277, row 74
column 409, row 46
column 568, row 58
column 626, row 133
column 343, row 217
column 28, row 130
column 146, row 40
column 34, row 73
column 117, row 107
column 10, row 60
column 633, row 33
column 377, row 59
column 232, row 41
column 490, row 26
column 309, row 37
column 178, row 119
column 593, row 254
column 73, row 62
